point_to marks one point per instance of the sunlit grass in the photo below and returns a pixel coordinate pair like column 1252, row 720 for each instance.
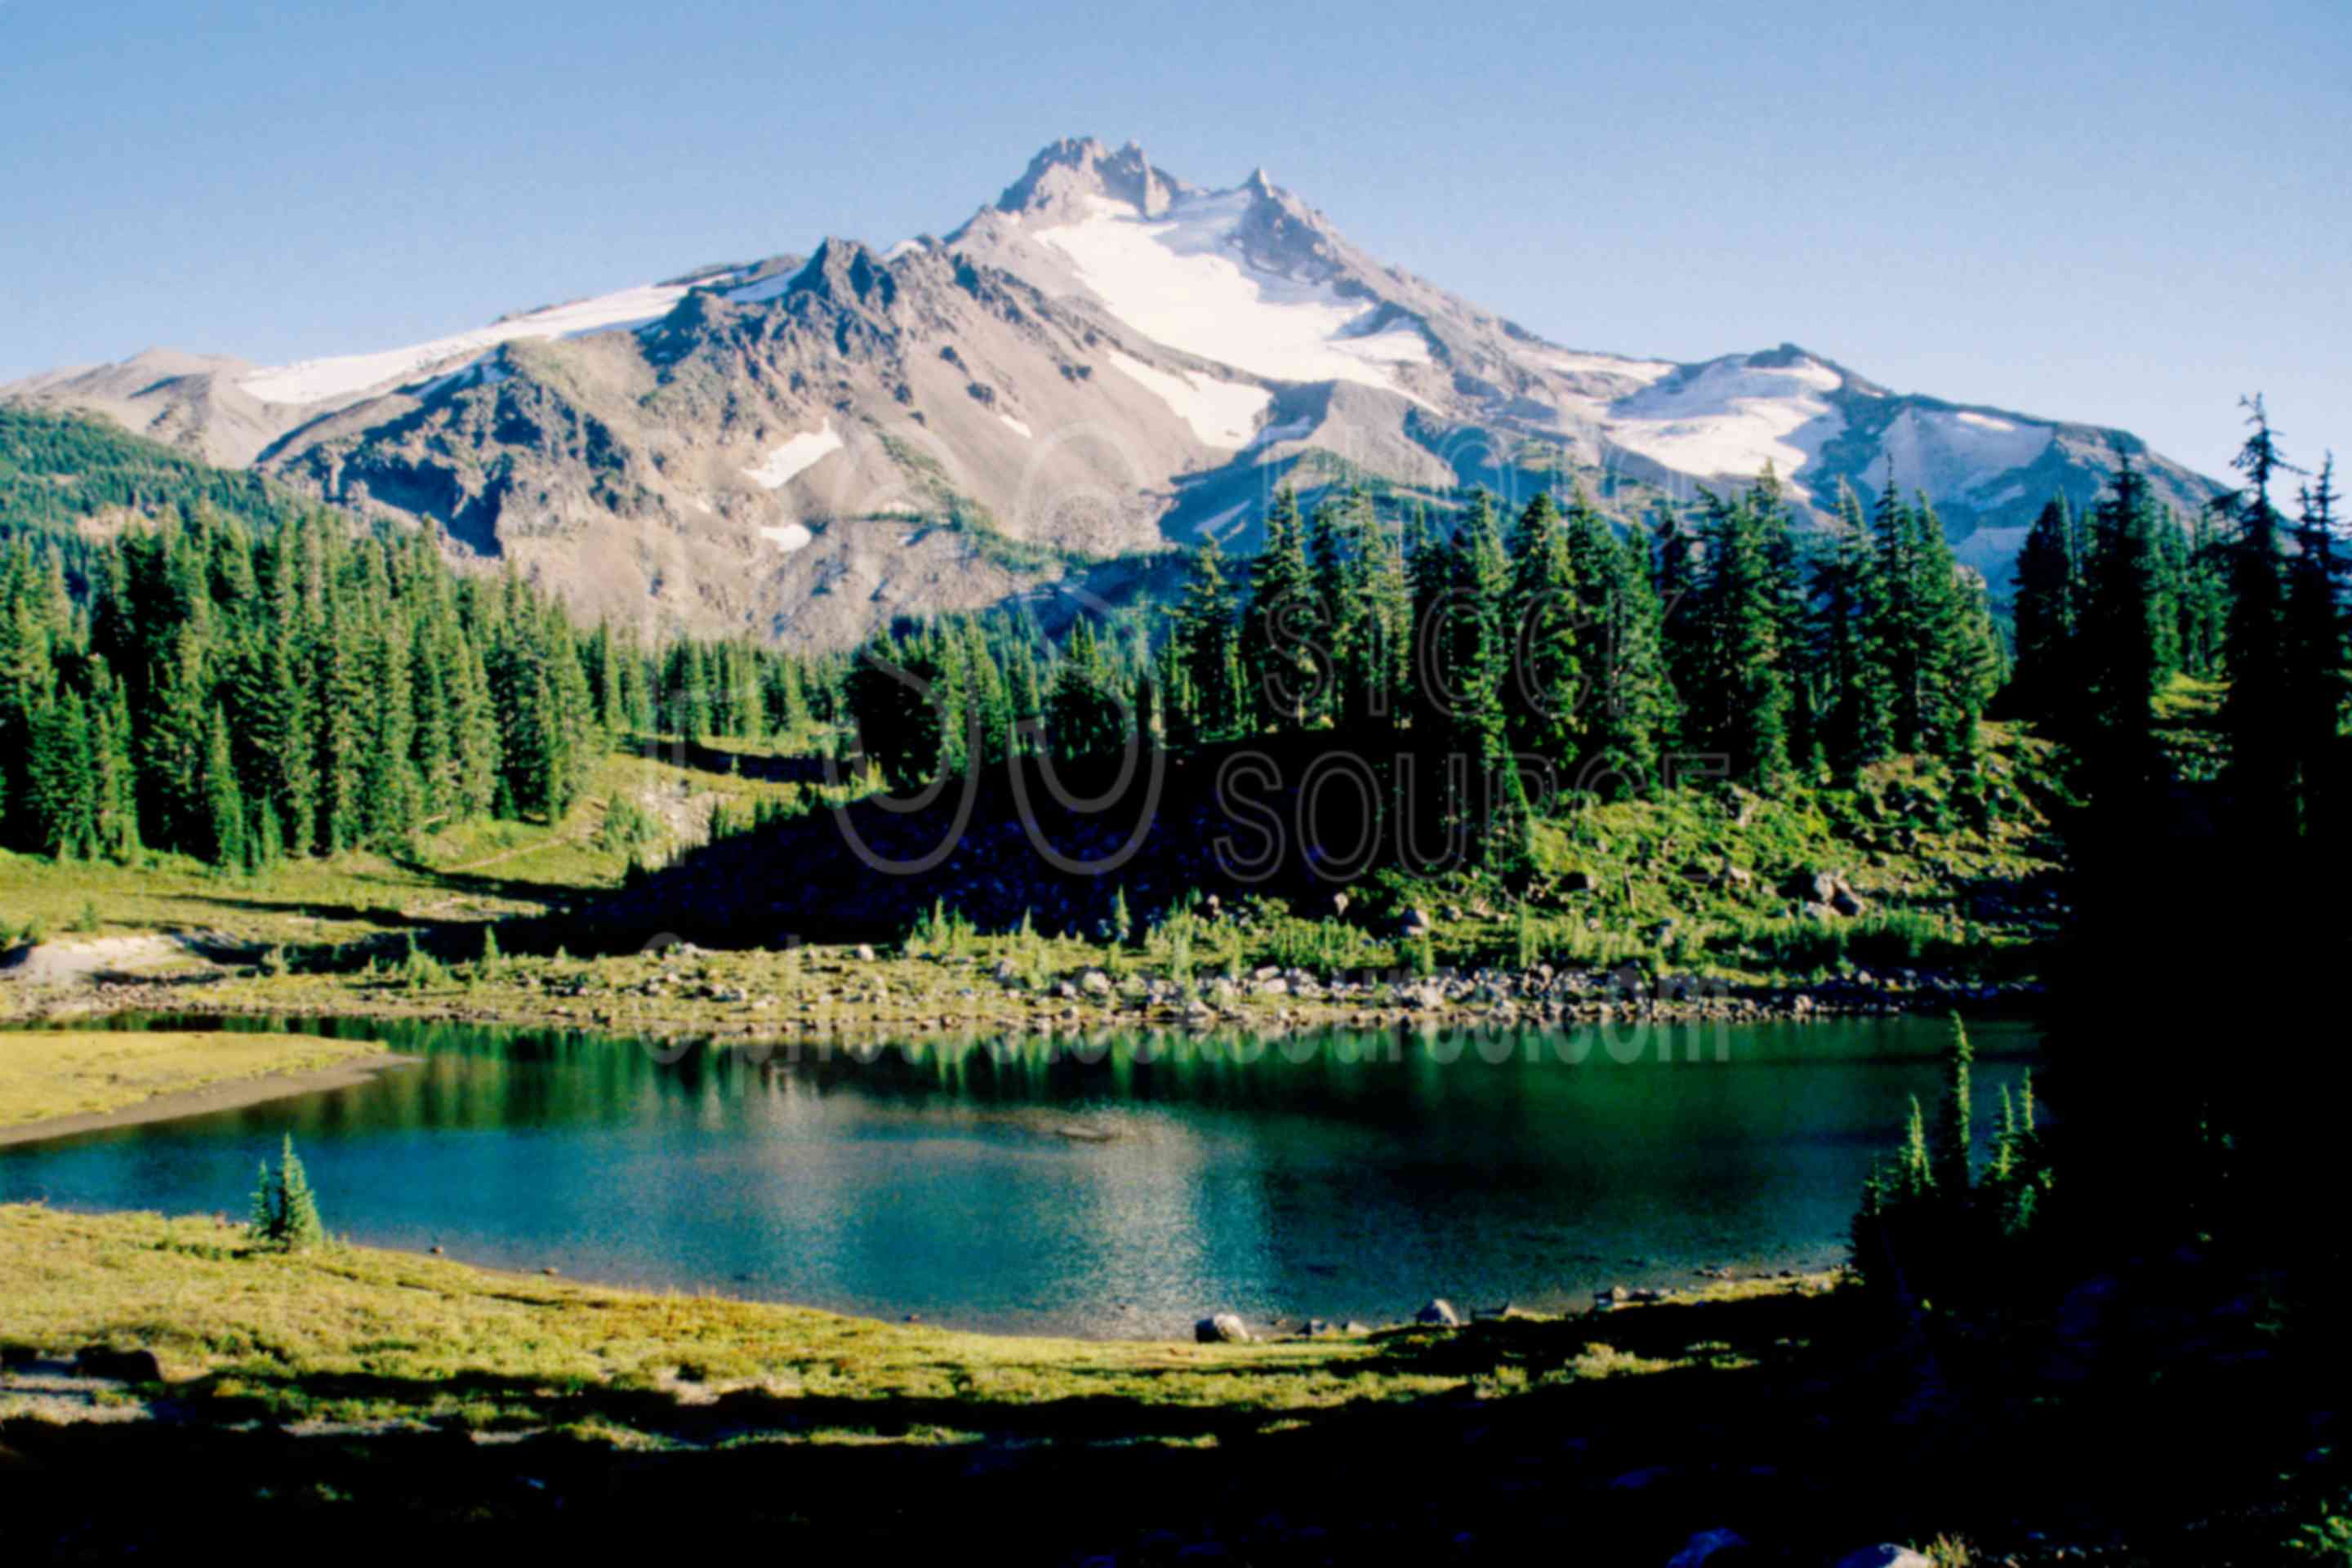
column 45, row 1073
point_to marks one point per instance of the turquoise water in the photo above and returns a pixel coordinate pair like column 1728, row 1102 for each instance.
column 1111, row 1186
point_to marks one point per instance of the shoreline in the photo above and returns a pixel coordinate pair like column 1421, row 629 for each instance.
column 233, row 1094
column 986, row 1012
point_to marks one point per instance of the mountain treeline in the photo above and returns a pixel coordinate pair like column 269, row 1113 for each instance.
column 57, row 471
column 1726, row 643
column 2113, row 604
column 246, row 678
column 1556, row 652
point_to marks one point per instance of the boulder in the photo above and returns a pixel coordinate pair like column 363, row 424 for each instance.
column 1095, row 982
column 1417, row 923
column 863, row 954
column 1884, row 1556
column 1223, row 1329
column 1847, row 903
column 1439, row 1313
column 1813, row 886
column 118, row 1365
column 1578, row 882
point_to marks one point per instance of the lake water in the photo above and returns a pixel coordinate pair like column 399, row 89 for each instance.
column 1113, row 1186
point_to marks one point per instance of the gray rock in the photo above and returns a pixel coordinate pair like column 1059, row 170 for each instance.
column 1884, row 1556
column 864, row 954
column 1223, row 1329
column 1439, row 1313
column 1095, row 982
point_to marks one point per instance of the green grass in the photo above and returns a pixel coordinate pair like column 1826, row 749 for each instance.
column 354, row 1335
column 478, row 871
column 45, row 1074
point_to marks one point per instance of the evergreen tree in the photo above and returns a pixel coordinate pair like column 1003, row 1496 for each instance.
column 1849, row 692
column 1429, row 586
column 1738, row 682
column 2257, row 711
column 1954, row 1148
column 985, row 698
column 1477, row 679
column 1358, row 591
column 224, row 801
column 1544, row 686
column 1081, row 715
column 59, row 804
column 2048, row 606
column 1628, row 707
column 1283, row 626
column 2121, row 608
column 285, row 1210
column 1206, row 638
column 390, row 790
column 2315, row 634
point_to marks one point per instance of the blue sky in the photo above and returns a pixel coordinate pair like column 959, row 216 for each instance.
column 2121, row 212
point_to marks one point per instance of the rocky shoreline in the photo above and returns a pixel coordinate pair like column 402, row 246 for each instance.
column 851, row 992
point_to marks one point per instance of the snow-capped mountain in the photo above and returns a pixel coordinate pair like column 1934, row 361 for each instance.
column 1104, row 360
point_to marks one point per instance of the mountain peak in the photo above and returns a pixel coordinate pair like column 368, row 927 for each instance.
column 1075, row 167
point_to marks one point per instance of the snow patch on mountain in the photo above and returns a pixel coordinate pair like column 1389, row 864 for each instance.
column 1950, row 454
column 794, row 458
column 765, row 289
column 1730, row 417
column 791, row 536
column 1221, row 412
column 1296, row 430
column 1181, row 280
column 348, row 376
column 1017, row 427
column 1644, row 371
column 1215, row 527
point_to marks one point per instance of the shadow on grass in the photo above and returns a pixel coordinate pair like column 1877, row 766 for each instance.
column 1791, row 1421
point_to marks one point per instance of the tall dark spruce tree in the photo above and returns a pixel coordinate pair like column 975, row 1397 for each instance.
column 1283, row 626
column 1627, row 705
column 2258, row 710
column 2047, row 615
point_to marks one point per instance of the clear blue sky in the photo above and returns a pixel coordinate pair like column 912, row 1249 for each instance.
column 2125, row 211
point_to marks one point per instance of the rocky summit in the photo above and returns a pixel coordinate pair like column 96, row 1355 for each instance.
column 1105, row 362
